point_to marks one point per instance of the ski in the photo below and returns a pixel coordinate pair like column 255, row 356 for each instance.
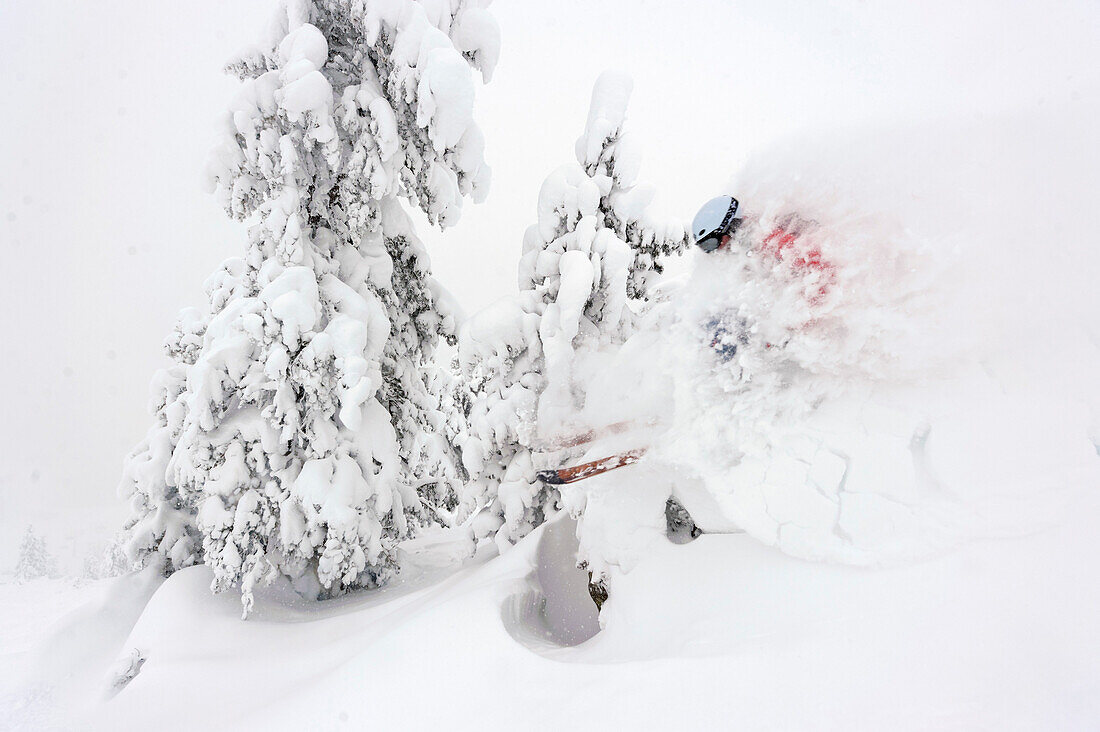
column 562, row 476
column 576, row 439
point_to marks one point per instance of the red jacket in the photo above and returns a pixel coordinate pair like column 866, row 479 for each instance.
column 782, row 243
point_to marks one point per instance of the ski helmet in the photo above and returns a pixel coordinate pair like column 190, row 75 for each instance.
column 716, row 219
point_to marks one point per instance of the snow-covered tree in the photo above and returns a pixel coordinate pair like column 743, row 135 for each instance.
column 35, row 561
column 302, row 428
column 594, row 249
column 610, row 158
column 162, row 527
column 108, row 561
column 501, row 354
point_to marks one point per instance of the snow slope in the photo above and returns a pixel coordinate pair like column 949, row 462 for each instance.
column 31, row 612
column 717, row 633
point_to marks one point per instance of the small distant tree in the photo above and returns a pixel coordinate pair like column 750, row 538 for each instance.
column 587, row 266
column 110, row 561
column 35, row 561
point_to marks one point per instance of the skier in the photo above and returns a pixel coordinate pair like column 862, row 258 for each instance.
column 718, row 222
column 716, row 225
column 713, row 228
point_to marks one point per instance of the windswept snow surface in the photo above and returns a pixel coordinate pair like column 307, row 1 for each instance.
column 722, row 632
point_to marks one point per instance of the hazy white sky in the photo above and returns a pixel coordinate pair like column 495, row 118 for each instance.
column 109, row 109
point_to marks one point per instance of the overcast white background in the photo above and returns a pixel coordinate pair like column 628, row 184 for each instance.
column 109, row 109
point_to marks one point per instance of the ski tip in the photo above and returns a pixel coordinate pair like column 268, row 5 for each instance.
column 550, row 477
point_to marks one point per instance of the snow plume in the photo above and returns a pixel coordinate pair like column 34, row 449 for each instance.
column 783, row 356
column 878, row 367
column 305, row 427
column 830, row 295
column 589, row 257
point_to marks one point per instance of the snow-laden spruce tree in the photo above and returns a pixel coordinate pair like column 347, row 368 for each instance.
column 594, row 249
column 610, row 158
column 303, row 428
column 35, row 560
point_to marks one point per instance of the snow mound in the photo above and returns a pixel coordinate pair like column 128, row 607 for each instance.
column 723, row 627
column 557, row 609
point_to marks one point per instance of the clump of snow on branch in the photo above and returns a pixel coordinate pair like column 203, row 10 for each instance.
column 305, row 428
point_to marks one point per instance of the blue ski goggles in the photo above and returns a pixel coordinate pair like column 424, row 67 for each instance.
column 713, row 240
